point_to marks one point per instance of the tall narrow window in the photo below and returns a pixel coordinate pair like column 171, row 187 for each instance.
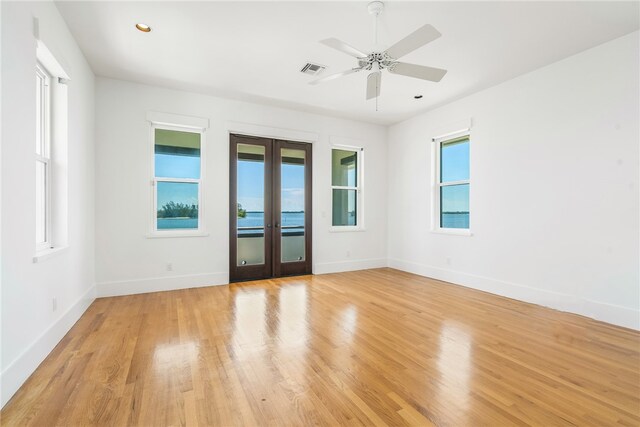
column 346, row 184
column 50, row 155
column 453, row 183
column 177, row 179
column 43, row 159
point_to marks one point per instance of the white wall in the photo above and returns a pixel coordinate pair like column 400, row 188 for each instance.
column 554, row 188
column 30, row 327
column 127, row 261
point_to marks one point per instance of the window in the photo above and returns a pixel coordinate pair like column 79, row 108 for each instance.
column 452, row 170
column 346, row 186
column 50, row 155
column 43, row 159
column 177, row 178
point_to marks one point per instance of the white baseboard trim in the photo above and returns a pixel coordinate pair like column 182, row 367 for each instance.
column 341, row 266
column 158, row 284
column 26, row 363
column 614, row 314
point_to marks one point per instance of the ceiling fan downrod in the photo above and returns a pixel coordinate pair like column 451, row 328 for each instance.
column 375, row 8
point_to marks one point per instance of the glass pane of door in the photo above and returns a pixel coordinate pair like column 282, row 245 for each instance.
column 292, row 188
column 251, row 204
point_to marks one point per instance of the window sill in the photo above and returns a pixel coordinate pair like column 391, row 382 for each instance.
column 48, row 253
column 453, row 231
column 346, row 228
column 173, row 234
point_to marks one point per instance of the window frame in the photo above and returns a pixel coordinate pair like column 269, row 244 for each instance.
column 437, row 183
column 54, row 155
column 359, row 189
column 176, row 232
column 44, row 140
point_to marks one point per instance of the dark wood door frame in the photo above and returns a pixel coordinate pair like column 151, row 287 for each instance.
column 291, row 268
column 249, row 272
column 273, row 267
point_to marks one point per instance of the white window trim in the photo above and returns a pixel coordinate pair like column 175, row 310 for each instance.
column 359, row 190
column 48, row 253
column 180, row 124
column 436, row 185
column 45, row 157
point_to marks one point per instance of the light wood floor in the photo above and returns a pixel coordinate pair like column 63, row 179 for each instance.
column 370, row 347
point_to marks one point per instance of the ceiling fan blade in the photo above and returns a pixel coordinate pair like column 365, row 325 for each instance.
column 335, row 76
column 373, row 85
column 418, row 38
column 418, row 71
column 343, row 47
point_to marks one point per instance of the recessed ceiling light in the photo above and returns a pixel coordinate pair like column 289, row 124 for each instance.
column 143, row 27
column 418, row 96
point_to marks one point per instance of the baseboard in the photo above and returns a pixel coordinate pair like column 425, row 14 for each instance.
column 614, row 314
column 157, row 284
column 340, row 266
column 24, row 365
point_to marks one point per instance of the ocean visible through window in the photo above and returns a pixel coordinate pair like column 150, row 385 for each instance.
column 455, row 220
column 256, row 219
column 454, row 183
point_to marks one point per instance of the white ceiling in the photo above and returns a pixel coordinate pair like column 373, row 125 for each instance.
column 254, row 50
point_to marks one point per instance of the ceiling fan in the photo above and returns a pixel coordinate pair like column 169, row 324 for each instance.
column 387, row 59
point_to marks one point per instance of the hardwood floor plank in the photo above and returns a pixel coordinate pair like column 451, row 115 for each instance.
column 373, row 347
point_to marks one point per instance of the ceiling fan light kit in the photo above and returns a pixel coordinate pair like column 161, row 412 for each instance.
column 388, row 59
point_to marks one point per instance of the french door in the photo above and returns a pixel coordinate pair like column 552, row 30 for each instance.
column 270, row 208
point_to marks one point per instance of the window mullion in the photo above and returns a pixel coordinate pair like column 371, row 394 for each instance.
column 449, row 183
column 185, row 180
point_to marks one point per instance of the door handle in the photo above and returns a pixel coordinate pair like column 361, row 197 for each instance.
column 277, row 225
column 268, row 225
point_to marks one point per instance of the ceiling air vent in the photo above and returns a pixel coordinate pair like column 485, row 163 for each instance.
column 312, row 69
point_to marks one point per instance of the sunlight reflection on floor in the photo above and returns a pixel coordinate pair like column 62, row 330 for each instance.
column 454, row 365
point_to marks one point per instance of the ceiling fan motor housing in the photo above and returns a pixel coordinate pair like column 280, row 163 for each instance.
column 381, row 58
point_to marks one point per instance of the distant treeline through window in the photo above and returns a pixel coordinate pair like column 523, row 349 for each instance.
column 177, row 178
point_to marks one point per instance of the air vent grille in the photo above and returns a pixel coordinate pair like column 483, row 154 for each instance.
column 312, row 69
